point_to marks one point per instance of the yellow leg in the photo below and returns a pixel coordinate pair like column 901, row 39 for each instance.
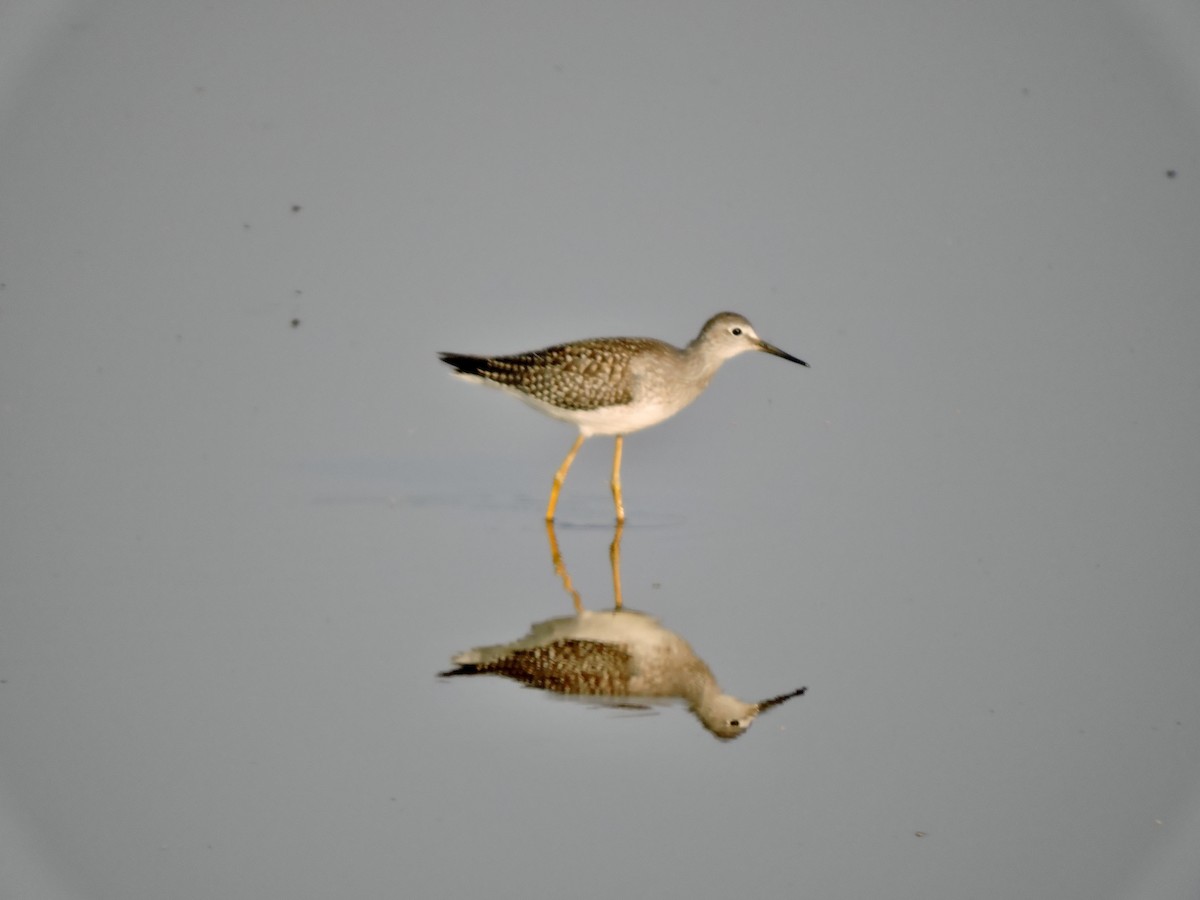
column 560, row 568
column 614, row 557
column 560, row 476
column 616, row 480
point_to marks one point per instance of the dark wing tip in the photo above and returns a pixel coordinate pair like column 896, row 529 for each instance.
column 468, row 365
column 467, row 669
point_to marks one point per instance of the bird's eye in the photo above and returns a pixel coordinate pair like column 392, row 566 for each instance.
column 735, row 331
column 735, row 723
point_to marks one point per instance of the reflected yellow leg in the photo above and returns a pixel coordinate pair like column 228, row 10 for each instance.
column 560, row 568
column 560, row 476
column 614, row 557
column 616, row 480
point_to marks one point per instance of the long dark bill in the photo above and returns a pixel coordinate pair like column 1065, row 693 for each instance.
column 775, row 351
column 775, row 701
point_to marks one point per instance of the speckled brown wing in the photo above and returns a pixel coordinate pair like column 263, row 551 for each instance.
column 581, row 375
column 565, row 667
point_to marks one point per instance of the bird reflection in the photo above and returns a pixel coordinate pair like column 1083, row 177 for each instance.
column 616, row 654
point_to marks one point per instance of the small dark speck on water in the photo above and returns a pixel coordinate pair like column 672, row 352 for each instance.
column 1171, row 173
column 296, row 207
column 295, row 323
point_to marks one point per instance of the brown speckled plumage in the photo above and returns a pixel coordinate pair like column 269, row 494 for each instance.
column 565, row 667
column 582, row 375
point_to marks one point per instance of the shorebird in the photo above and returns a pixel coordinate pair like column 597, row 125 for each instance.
column 616, row 654
column 615, row 385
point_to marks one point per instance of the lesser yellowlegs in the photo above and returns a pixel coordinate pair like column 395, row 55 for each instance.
column 615, row 385
column 618, row 654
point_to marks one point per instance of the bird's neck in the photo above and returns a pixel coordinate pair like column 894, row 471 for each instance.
column 701, row 361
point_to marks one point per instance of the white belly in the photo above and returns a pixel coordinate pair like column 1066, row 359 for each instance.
column 609, row 419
